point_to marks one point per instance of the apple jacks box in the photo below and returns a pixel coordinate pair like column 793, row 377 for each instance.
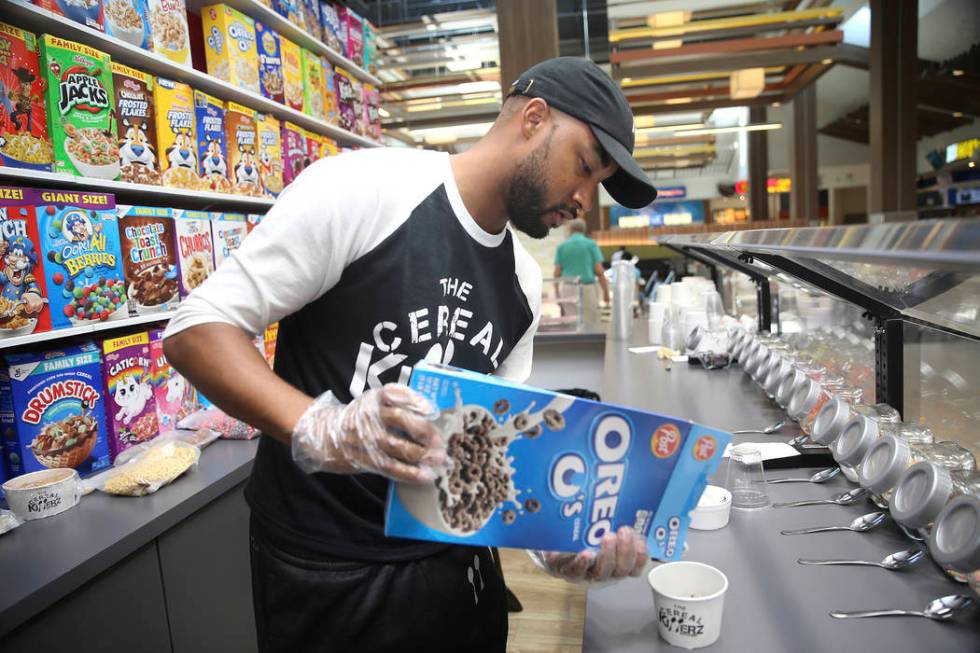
column 529, row 468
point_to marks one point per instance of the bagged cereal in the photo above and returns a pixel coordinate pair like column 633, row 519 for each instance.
column 195, row 251
column 149, row 258
column 228, row 231
column 292, row 73
column 23, row 290
column 294, row 152
column 269, row 340
column 350, row 23
column 86, row 12
column 270, row 63
column 176, row 134
column 175, row 398
column 24, row 141
column 136, row 126
column 212, row 150
column 372, row 106
column 329, row 92
column 168, row 29
column 79, row 104
column 129, row 21
column 270, row 153
column 242, row 137
column 309, row 11
column 229, row 37
column 313, row 98
column 370, row 46
column 347, row 91
column 289, row 10
column 131, row 411
column 330, row 24
column 82, row 257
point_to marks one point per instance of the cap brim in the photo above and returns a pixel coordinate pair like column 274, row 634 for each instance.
column 630, row 185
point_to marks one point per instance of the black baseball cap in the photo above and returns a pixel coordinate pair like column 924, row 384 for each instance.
column 584, row 91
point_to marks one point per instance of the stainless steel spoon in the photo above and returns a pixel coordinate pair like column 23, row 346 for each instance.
column 772, row 428
column 859, row 525
column 941, row 609
column 819, row 477
column 845, row 499
column 892, row 562
column 798, row 440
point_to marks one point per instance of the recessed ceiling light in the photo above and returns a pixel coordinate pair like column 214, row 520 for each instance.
column 777, row 104
column 957, row 114
column 958, row 73
column 827, row 62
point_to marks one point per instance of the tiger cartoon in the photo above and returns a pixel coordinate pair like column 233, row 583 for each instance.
column 245, row 170
column 134, row 146
column 181, row 154
column 214, row 162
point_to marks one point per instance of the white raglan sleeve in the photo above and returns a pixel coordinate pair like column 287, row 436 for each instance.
column 517, row 366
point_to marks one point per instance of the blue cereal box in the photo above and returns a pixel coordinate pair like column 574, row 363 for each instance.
column 52, row 411
column 129, row 21
column 271, row 80
column 83, row 259
column 528, row 468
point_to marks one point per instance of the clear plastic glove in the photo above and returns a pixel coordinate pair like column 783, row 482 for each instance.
column 620, row 555
column 384, row 431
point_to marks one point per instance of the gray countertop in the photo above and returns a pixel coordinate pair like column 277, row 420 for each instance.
column 45, row 560
column 773, row 603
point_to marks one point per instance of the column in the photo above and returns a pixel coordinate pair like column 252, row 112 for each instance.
column 758, row 167
column 803, row 156
column 528, row 33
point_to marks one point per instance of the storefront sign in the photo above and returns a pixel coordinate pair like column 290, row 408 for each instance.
column 672, row 193
column 657, row 214
column 773, row 185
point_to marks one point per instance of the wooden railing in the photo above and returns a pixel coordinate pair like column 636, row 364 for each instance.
column 644, row 235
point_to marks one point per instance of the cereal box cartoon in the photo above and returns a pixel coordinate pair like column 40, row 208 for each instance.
column 23, row 293
column 270, row 153
column 348, row 99
column 294, row 151
column 149, row 258
column 129, row 21
column 292, row 73
column 24, row 141
column 370, row 46
column 309, row 11
column 253, row 220
column 79, row 100
column 86, row 12
column 313, row 99
column 212, row 148
column 229, row 37
column 242, row 137
column 168, row 28
column 351, row 23
column 82, row 257
column 270, row 63
column 372, row 106
column 529, row 468
column 131, row 410
column 195, row 251
column 176, row 134
column 289, row 10
column 330, row 23
column 174, row 397
column 329, row 92
column 136, row 126
column 228, row 231
column 52, row 411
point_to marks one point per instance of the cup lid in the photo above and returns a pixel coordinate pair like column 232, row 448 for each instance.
column 955, row 539
column 804, row 399
column 854, row 441
column 788, row 386
column 920, row 494
column 830, row 421
column 884, row 462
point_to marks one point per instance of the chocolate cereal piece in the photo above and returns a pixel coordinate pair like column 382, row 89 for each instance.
column 533, row 432
column 501, row 407
column 532, row 505
column 520, row 422
column 554, row 420
column 509, row 517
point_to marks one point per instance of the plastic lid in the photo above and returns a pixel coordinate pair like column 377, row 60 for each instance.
column 755, row 359
column 884, row 462
column 920, row 494
column 804, row 399
column 830, row 421
column 788, row 386
column 852, row 444
column 955, row 539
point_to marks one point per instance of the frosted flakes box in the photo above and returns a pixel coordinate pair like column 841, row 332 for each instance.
column 330, row 108
column 129, row 21
column 174, row 397
column 80, row 112
column 52, row 411
column 146, row 235
column 212, row 148
column 83, row 258
column 168, row 30
column 242, row 137
column 370, row 46
column 348, row 99
column 23, row 291
column 136, row 127
column 131, row 415
column 270, row 63
column 350, row 22
column 313, row 99
column 270, row 153
column 195, row 250
column 528, row 468
column 24, row 141
column 292, row 73
column 295, row 156
column 86, row 12
column 229, row 39
column 176, row 134
column 228, row 231
column 330, row 24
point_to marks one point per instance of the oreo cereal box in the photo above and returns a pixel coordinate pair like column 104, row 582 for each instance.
column 528, row 468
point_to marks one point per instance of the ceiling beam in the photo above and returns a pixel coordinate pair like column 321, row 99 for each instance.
column 730, row 46
column 809, row 76
column 679, row 31
column 732, row 32
column 710, row 91
column 950, row 95
column 451, row 79
column 737, row 62
column 706, row 105
column 442, row 121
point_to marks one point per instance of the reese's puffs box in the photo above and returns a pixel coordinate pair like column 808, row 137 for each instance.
column 534, row 469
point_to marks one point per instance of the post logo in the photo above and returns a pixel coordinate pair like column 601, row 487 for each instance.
column 665, row 441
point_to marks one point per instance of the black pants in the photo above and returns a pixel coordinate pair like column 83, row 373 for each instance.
column 452, row 601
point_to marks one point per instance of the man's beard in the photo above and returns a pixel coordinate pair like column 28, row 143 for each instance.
column 528, row 191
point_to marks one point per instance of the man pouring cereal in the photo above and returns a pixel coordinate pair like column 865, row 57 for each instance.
column 373, row 262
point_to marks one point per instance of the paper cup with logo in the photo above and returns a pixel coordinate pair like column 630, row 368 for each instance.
column 688, row 598
column 43, row 494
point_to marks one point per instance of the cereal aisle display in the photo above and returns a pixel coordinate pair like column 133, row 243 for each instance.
column 347, row 90
column 131, row 412
column 228, row 231
column 309, row 14
column 329, row 92
column 242, row 137
column 174, row 397
column 23, row 293
column 314, row 147
column 146, row 235
column 129, row 21
column 82, row 257
column 270, row 63
column 229, row 45
column 292, row 73
column 176, row 134
column 372, row 110
column 313, row 98
column 270, row 153
column 168, row 28
column 294, row 152
column 136, row 126
column 350, row 23
column 212, row 148
column 24, row 141
column 328, row 147
column 52, row 413
column 195, row 251
column 330, row 24
column 86, row 12
column 79, row 99
column 370, row 46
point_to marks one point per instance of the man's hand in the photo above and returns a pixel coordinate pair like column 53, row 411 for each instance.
column 620, row 555
column 34, row 302
column 383, row 431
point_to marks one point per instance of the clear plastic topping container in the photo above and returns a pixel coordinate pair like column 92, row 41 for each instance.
column 788, row 386
column 888, row 458
column 779, row 371
column 858, row 434
column 804, row 400
column 955, row 539
column 829, row 389
column 908, row 431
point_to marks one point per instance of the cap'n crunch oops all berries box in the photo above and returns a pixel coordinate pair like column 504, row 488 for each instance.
column 24, row 141
column 83, row 260
column 529, row 468
column 131, row 413
column 22, row 288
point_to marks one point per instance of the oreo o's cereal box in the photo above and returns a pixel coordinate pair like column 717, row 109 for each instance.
column 22, row 288
column 52, row 411
column 533, row 469
column 132, row 410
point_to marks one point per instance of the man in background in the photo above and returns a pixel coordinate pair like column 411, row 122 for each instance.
column 580, row 256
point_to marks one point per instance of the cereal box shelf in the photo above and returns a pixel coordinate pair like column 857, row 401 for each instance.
column 144, row 193
column 85, row 329
column 41, row 21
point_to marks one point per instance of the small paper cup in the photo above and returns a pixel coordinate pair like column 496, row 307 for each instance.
column 43, row 494
column 713, row 509
column 688, row 598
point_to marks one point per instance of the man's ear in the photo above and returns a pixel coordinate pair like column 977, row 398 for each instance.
column 534, row 117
